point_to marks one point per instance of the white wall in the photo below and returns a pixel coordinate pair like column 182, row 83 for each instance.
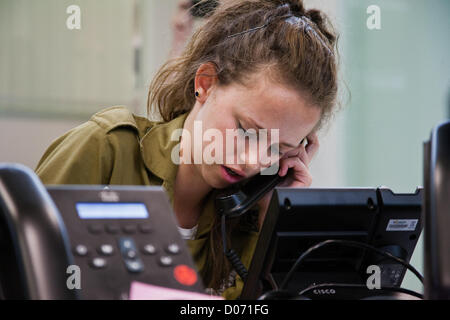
column 52, row 78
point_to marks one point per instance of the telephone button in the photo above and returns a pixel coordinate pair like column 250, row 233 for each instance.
column 149, row 249
column 185, row 275
column 112, row 229
column 165, row 261
column 106, row 249
column 81, row 250
column 126, row 244
column 173, row 248
column 129, row 228
column 131, row 254
column 134, row 266
column 145, row 228
column 98, row 263
column 95, row 228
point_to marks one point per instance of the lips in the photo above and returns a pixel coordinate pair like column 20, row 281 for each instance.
column 231, row 175
column 235, row 172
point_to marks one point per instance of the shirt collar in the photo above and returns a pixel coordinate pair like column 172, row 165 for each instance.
column 157, row 146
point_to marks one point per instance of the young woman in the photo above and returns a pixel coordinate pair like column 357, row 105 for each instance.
column 254, row 64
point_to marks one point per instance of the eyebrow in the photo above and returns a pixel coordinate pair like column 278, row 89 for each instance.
column 281, row 144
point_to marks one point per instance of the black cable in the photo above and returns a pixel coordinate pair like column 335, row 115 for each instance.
column 289, row 295
column 350, row 244
column 231, row 255
column 281, row 295
column 346, row 285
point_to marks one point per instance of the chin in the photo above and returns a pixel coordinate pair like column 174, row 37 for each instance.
column 211, row 175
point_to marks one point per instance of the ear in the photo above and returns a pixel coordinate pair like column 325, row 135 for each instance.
column 205, row 80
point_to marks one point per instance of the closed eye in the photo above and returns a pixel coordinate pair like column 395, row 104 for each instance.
column 275, row 148
column 247, row 132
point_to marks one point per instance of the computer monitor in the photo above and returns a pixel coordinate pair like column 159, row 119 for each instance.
column 299, row 218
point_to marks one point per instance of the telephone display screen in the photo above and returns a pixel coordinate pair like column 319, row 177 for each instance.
column 89, row 210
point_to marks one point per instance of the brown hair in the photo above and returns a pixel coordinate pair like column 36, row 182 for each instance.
column 240, row 37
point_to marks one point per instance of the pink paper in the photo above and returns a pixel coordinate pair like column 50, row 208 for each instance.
column 144, row 291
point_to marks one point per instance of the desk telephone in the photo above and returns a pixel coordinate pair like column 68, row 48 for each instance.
column 115, row 236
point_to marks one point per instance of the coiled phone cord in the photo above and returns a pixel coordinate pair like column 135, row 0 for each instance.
column 231, row 255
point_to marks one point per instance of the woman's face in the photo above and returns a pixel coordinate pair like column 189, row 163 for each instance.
column 262, row 105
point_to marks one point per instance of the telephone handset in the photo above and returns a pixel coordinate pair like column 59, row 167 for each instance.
column 237, row 199
column 436, row 213
column 33, row 234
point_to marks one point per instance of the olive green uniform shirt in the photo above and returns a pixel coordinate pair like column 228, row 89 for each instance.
column 116, row 147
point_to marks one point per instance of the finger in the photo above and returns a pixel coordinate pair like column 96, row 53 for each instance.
column 313, row 145
column 294, row 163
column 301, row 176
column 304, row 156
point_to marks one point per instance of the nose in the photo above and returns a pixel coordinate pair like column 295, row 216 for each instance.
column 253, row 160
column 250, row 167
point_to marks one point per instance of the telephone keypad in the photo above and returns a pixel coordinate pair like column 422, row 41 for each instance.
column 117, row 244
column 129, row 253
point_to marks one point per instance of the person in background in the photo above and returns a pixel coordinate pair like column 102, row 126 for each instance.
column 182, row 27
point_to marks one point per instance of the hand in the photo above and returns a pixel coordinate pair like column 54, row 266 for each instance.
column 298, row 159
column 182, row 25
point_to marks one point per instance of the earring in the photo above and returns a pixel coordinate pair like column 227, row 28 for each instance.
column 197, row 94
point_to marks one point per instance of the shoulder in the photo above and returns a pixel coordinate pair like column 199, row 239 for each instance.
column 120, row 120
column 114, row 117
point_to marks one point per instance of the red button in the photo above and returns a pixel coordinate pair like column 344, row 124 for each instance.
column 185, row 275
